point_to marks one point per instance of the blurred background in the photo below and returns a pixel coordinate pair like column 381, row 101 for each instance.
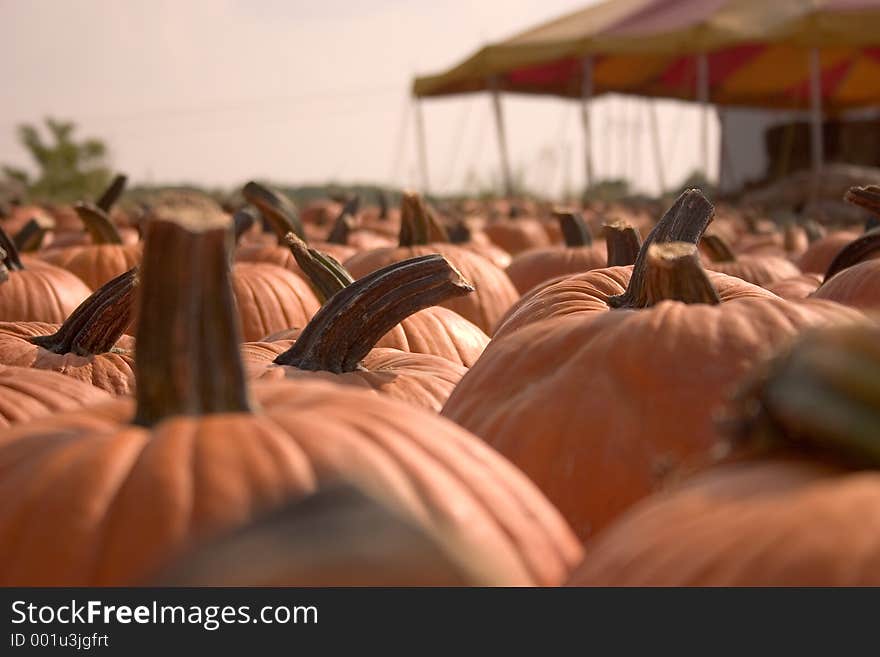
column 214, row 92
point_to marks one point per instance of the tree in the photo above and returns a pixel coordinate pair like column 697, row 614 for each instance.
column 67, row 169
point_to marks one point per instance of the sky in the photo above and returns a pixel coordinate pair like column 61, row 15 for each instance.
column 217, row 92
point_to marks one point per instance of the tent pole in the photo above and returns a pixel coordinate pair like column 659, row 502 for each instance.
column 423, row 148
column 703, row 99
column 817, row 146
column 502, row 138
column 655, row 142
column 586, row 96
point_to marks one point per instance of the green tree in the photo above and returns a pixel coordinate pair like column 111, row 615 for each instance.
column 67, row 169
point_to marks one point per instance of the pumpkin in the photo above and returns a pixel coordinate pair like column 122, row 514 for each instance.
column 853, row 275
column 796, row 503
column 622, row 243
column 517, row 235
column 570, row 398
column 27, row 394
column 270, row 299
column 89, row 346
column 37, row 292
column 758, row 269
column 534, row 266
column 130, row 485
column 338, row 343
column 494, row 293
column 796, row 287
column 104, row 259
column 819, row 255
column 336, row 537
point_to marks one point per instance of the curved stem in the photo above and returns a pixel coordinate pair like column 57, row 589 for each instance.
column 718, row 249
column 574, row 229
column 31, row 236
column 822, row 395
column 242, row 221
column 278, row 210
column 9, row 256
column 344, row 330
column 98, row 322
column 112, row 193
column 344, row 222
column 418, row 224
column 97, row 224
column 853, row 253
column 326, row 274
column 623, row 243
column 867, row 198
column 685, row 221
column 187, row 358
column 813, row 230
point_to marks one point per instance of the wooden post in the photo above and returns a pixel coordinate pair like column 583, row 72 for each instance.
column 502, row 138
column 423, row 148
column 655, row 142
column 586, row 96
column 817, row 144
column 703, row 99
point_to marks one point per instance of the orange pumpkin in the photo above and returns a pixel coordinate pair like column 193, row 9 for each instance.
column 797, row 505
column 569, row 397
column 758, row 269
column 534, row 266
column 130, row 485
column 27, row 394
column 338, row 344
column 37, row 292
column 89, row 346
column 494, row 293
column 104, row 259
column 270, row 299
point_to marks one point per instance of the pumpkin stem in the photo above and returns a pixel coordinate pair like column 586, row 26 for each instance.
column 813, row 230
column 459, row 233
column 277, row 209
column 349, row 325
column 344, row 222
column 676, row 274
column 30, row 238
column 187, row 358
column 853, row 253
column 242, row 221
column 112, row 193
column 98, row 322
column 822, row 395
column 623, row 243
column 9, row 256
column 871, row 223
column 685, row 221
column 383, row 204
column 326, row 274
column 418, row 224
column 97, row 224
column 574, row 229
column 867, row 198
column 717, row 248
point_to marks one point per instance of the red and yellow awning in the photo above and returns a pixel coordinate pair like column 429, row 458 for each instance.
column 757, row 50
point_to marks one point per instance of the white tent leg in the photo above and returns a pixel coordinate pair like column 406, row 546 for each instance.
column 423, row 147
column 655, row 142
column 817, row 145
column 502, row 138
column 586, row 95
column 703, row 99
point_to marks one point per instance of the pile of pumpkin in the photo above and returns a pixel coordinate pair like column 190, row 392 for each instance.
column 513, row 395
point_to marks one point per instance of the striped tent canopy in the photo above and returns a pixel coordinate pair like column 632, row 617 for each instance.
column 757, row 53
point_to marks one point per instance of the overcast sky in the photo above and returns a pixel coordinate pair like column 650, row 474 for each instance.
column 219, row 91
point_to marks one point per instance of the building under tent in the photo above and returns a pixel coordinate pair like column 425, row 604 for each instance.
column 793, row 64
